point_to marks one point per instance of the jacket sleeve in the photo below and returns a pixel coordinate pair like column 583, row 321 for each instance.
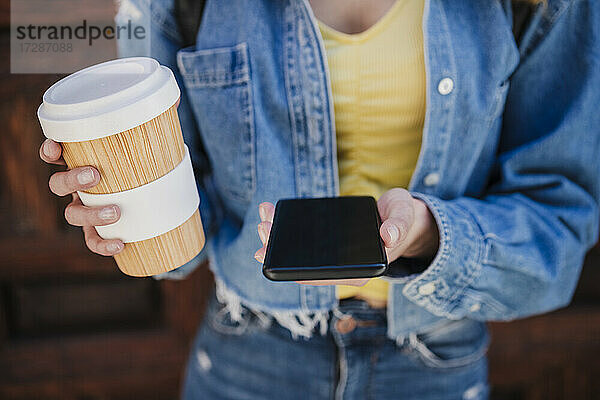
column 518, row 249
column 161, row 40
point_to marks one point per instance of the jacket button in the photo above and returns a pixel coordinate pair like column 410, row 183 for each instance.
column 427, row 289
column 431, row 179
column 445, row 86
column 345, row 325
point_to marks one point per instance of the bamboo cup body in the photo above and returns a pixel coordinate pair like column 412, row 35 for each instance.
column 133, row 158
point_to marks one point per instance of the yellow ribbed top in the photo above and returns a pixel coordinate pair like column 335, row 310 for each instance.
column 378, row 85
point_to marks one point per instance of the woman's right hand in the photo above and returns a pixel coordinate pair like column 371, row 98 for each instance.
column 69, row 182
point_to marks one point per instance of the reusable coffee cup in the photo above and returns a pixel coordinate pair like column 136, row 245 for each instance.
column 120, row 116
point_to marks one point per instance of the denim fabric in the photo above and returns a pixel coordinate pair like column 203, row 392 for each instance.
column 509, row 162
column 254, row 359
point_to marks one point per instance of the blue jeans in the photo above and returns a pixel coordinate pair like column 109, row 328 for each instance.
column 258, row 359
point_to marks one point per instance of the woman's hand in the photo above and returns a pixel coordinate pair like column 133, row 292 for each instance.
column 69, row 182
column 408, row 229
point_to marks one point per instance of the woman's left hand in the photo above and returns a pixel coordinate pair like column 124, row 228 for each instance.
column 408, row 229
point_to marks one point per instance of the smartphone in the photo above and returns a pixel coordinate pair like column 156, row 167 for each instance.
column 325, row 238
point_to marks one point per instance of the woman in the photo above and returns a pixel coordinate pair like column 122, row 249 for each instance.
column 495, row 139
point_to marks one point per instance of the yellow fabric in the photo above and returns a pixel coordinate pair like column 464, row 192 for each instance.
column 378, row 85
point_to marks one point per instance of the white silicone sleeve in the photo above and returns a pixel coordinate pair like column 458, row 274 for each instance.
column 151, row 209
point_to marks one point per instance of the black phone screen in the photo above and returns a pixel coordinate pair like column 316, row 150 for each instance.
column 325, row 238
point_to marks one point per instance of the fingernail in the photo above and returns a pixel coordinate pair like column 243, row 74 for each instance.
column 392, row 230
column 261, row 212
column 46, row 150
column 113, row 247
column 108, row 213
column 86, row 176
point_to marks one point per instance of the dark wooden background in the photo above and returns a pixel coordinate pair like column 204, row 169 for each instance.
column 73, row 327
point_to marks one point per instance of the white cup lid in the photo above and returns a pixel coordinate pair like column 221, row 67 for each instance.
column 106, row 99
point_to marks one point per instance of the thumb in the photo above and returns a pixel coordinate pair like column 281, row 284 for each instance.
column 397, row 214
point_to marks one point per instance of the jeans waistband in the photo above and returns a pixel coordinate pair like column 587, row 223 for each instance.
column 353, row 304
column 354, row 321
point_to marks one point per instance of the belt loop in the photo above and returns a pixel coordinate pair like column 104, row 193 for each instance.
column 338, row 314
column 400, row 340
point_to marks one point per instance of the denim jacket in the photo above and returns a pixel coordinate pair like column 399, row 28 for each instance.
column 509, row 164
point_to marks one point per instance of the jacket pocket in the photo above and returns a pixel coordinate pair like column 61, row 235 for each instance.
column 218, row 84
column 452, row 345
